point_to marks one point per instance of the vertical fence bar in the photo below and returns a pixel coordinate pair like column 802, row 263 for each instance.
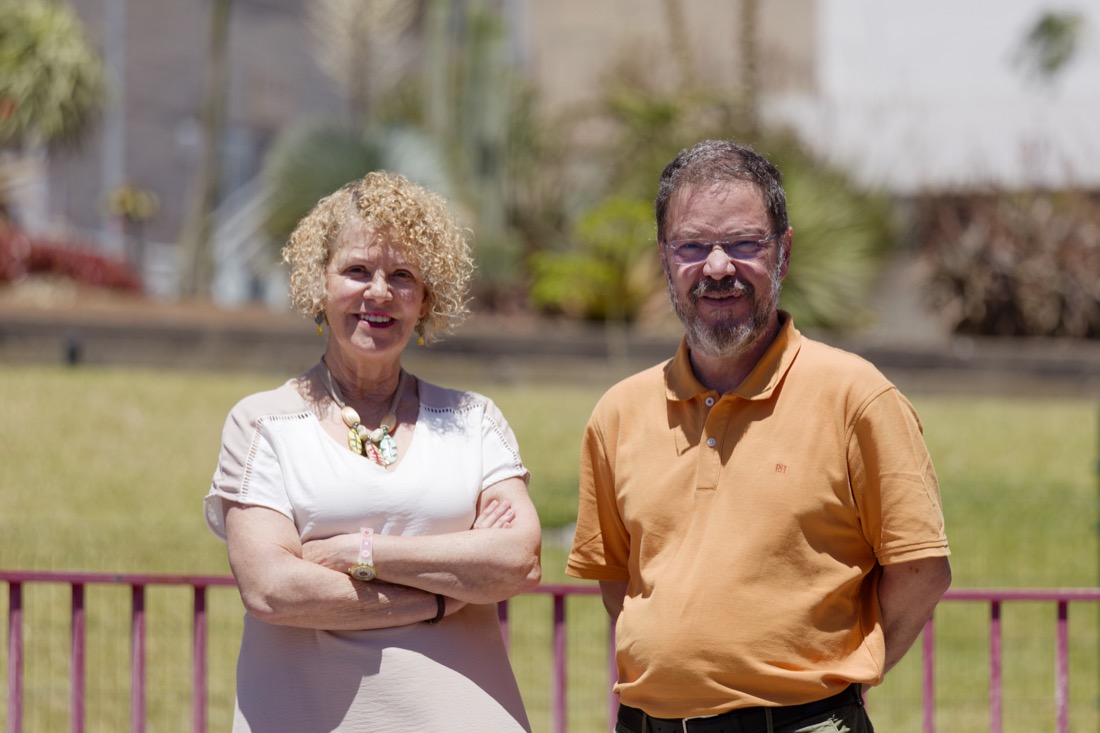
column 137, row 659
column 560, row 702
column 613, row 676
column 502, row 617
column 928, row 676
column 995, row 666
column 1061, row 690
column 76, row 654
column 15, row 657
column 198, row 662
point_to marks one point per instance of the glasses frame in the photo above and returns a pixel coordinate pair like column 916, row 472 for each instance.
column 672, row 247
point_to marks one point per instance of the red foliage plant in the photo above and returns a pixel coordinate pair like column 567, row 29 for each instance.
column 22, row 255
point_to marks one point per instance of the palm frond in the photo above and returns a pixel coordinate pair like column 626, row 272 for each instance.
column 52, row 84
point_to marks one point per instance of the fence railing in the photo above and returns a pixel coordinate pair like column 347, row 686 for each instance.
column 78, row 582
column 77, row 680
column 1060, row 597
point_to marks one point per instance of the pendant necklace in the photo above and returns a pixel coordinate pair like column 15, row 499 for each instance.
column 379, row 444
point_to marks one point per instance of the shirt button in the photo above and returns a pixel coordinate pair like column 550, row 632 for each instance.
column 712, row 442
column 710, row 401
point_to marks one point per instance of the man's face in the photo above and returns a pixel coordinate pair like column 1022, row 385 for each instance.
column 727, row 303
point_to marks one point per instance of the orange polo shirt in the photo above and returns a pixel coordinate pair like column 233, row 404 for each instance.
column 749, row 526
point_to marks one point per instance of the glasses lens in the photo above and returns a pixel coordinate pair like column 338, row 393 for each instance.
column 689, row 251
column 745, row 249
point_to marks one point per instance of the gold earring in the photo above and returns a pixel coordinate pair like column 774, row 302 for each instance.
column 319, row 319
column 419, row 333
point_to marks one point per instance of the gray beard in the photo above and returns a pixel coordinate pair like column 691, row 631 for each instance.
column 726, row 339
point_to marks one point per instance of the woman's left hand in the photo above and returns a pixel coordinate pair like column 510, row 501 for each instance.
column 496, row 515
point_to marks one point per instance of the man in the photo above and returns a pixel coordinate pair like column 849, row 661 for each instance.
column 761, row 511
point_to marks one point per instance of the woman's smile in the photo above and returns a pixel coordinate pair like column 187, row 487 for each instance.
column 376, row 319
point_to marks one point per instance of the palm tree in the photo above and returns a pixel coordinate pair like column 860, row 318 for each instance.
column 750, row 81
column 360, row 47
column 195, row 238
column 51, row 82
column 1051, row 45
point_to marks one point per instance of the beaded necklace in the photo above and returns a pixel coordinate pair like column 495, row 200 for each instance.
column 378, row 444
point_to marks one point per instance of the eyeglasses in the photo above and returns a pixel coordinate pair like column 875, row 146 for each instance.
column 740, row 248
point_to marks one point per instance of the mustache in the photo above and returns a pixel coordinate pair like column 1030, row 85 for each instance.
column 726, row 286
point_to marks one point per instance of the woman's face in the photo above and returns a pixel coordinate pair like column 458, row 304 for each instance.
column 374, row 294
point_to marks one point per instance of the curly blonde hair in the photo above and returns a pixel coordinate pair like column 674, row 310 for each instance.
column 413, row 217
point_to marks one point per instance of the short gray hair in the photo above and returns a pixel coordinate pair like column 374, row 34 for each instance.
column 722, row 161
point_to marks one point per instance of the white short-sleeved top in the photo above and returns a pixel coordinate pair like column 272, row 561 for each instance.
column 454, row 675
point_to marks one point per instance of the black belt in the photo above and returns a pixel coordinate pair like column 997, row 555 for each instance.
column 742, row 720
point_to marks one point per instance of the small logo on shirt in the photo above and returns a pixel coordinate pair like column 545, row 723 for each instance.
column 780, row 468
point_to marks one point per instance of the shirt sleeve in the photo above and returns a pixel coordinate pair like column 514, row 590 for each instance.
column 500, row 449
column 894, row 482
column 601, row 543
column 248, row 471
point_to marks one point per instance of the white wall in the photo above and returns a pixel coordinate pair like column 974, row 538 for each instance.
column 917, row 95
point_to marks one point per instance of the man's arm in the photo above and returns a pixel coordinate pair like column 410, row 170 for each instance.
column 908, row 593
column 613, row 592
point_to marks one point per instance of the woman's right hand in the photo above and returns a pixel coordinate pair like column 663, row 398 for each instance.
column 336, row 553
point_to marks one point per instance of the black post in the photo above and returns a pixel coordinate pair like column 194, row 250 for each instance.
column 73, row 350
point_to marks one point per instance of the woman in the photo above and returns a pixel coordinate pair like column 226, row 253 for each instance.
column 373, row 520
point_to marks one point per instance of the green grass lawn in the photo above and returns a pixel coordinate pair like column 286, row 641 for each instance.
column 105, row 469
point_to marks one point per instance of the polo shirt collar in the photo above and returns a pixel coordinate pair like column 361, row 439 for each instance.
column 681, row 384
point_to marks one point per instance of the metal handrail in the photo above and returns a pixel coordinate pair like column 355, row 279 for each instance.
column 138, row 583
column 1062, row 597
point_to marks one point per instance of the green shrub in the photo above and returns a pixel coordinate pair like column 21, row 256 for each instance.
column 610, row 272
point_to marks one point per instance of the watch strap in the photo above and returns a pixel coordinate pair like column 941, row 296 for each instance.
column 366, row 546
column 364, row 566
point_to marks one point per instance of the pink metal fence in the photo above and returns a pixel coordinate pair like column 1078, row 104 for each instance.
column 1061, row 598
column 138, row 584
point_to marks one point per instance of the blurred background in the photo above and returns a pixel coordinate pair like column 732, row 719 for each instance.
column 941, row 159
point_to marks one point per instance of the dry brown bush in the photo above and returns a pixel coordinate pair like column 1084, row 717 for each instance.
column 1015, row 264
